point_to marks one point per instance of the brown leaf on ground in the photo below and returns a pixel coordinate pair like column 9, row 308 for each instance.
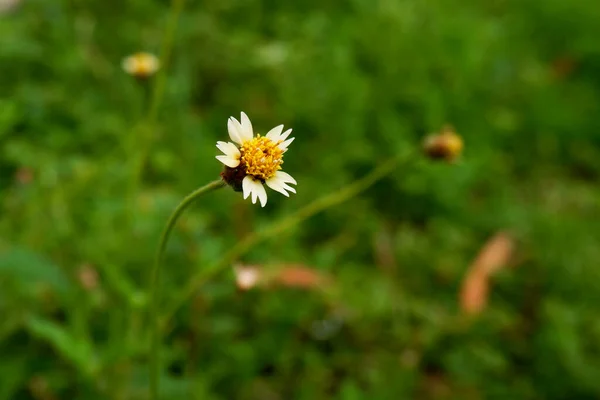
column 474, row 293
column 289, row 276
column 299, row 276
column 493, row 256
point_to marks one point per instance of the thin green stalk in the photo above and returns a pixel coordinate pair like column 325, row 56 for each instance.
column 165, row 57
column 155, row 282
column 153, row 98
column 306, row 212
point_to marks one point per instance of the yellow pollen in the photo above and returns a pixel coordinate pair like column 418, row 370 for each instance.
column 262, row 157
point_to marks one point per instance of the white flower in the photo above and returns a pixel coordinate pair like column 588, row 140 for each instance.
column 256, row 159
column 247, row 277
column 141, row 65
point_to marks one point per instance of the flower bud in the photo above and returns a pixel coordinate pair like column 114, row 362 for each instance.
column 445, row 145
column 141, row 65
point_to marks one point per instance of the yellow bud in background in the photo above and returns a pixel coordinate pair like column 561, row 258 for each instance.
column 141, row 65
column 445, row 145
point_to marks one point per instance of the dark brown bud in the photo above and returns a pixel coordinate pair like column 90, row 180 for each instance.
column 234, row 177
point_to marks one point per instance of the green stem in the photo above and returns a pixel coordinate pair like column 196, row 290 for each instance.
column 165, row 56
column 153, row 98
column 307, row 211
column 155, row 281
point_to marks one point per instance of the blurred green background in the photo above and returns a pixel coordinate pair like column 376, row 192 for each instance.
column 86, row 188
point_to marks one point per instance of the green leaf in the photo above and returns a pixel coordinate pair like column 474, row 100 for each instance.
column 76, row 350
column 27, row 269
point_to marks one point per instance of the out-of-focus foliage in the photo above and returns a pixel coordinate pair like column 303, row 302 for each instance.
column 359, row 81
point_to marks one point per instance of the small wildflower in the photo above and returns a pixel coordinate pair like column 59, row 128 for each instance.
column 255, row 160
column 446, row 145
column 247, row 277
column 141, row 65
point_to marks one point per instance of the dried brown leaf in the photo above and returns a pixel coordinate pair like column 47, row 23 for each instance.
column 299, row 276
column 493, row 256
column 474, row 293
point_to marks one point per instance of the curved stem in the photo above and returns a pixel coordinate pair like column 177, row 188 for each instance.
column 286, row 223
column 155, row 281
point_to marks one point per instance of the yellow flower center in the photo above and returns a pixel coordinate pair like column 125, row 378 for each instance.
column 143, row 65
column 262, row 157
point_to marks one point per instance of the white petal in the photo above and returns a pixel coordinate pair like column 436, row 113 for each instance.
column 287, row 187
column 275, row 133
column 284, row 146
column 262, row 196
column 233, row 127
column 229, row 149
column 285, row 134
column 229, row 161
column 246, row 132
column 247, row 186
column 251, row 186
column 129, row 64
column 279, row 186
column 285, row 177
column 279, row 182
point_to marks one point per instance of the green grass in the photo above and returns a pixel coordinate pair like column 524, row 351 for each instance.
column 89, row 177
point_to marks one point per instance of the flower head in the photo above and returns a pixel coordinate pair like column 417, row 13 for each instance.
column 253, row 161
column 446, row 145
column 141, row 65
